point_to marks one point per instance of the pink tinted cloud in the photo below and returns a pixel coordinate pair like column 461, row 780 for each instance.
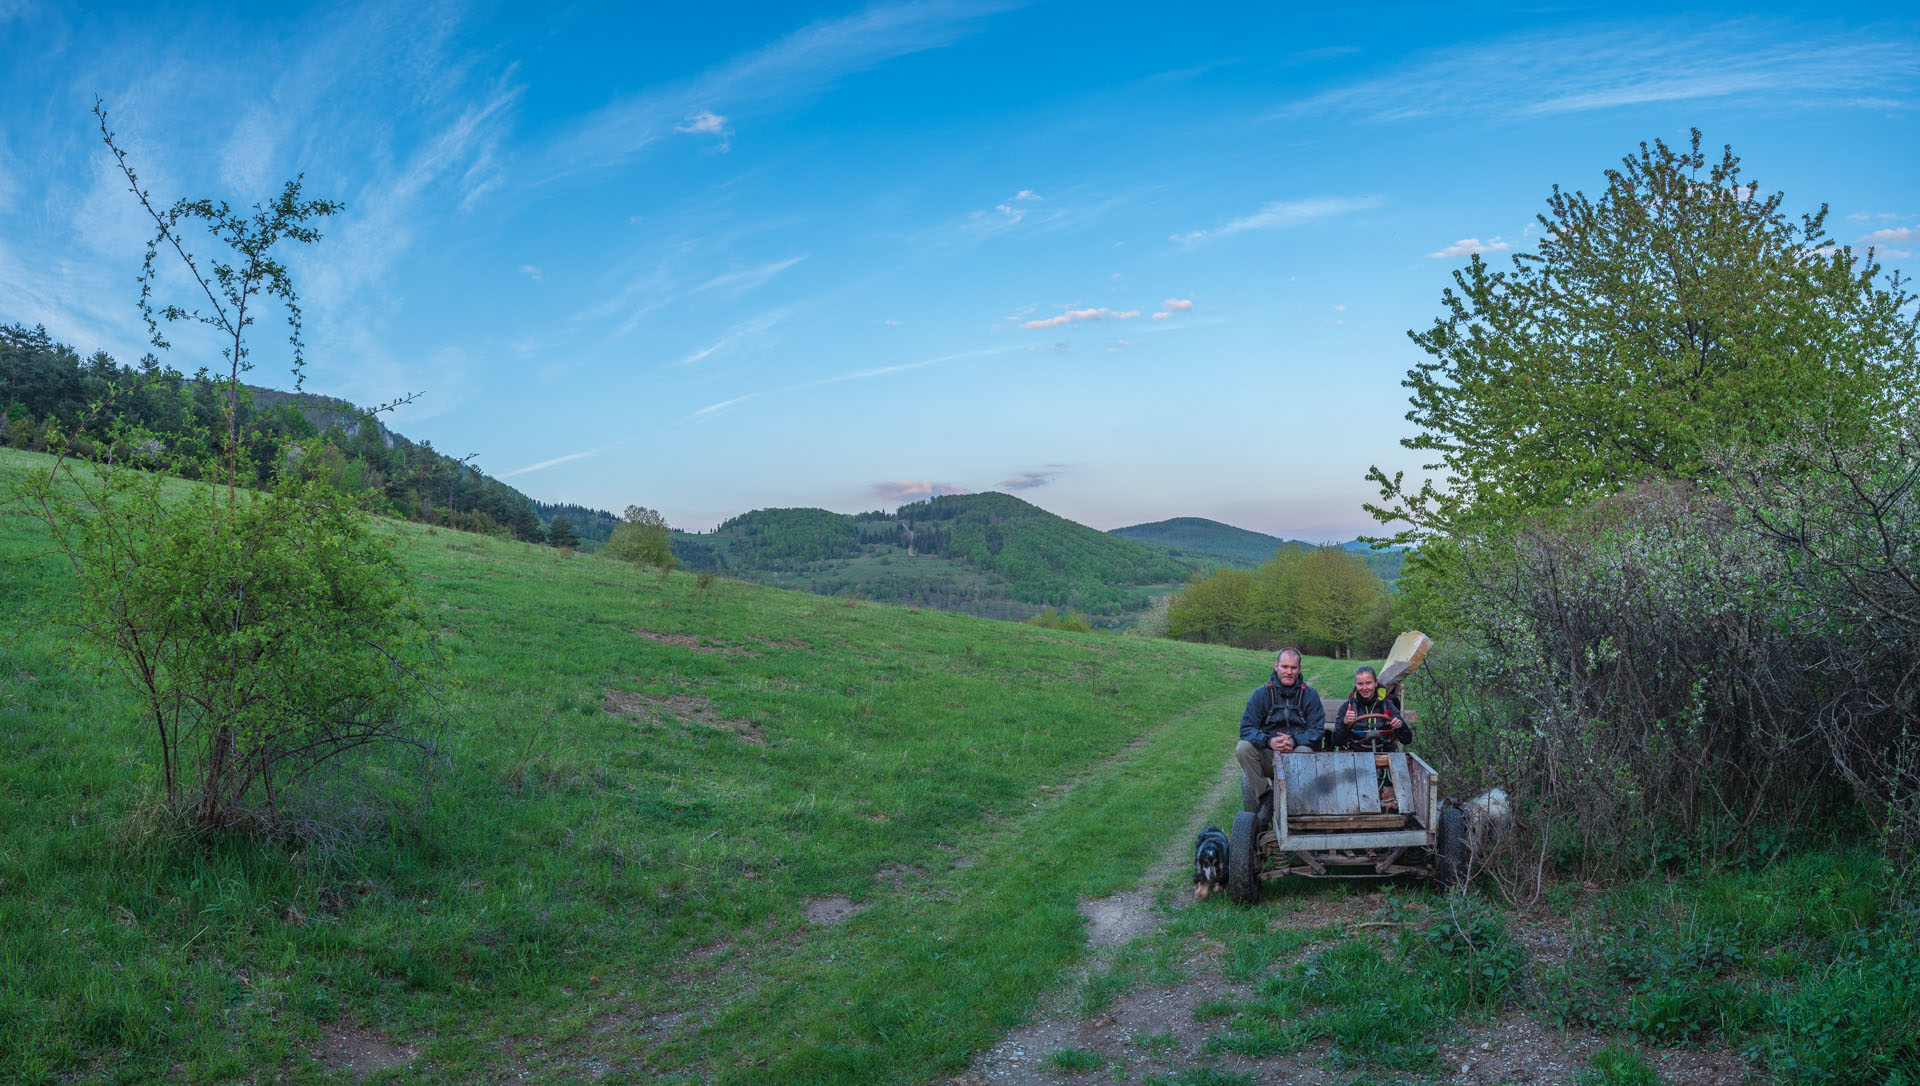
column 906, row 490
column 1173, row 305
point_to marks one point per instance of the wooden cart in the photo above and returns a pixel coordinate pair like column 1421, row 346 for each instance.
column 1329, row 821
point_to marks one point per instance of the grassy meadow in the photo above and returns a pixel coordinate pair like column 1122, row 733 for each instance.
column 645, row 784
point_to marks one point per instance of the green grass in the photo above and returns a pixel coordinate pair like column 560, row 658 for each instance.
column 1794, row 965
column 583, row 876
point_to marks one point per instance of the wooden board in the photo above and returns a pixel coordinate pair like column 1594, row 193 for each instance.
column 1426, row 793
column 1329, row 784
column 1409, row 649
column 1327, row 842
column 1402, row 783
column 1299, row 823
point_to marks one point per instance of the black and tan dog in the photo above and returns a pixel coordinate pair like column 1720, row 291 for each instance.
column 1209, row 862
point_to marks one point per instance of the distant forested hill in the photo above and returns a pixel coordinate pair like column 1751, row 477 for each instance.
column 989, row 554
column 1209, row 537
column 1197, row 539
column 47, row 392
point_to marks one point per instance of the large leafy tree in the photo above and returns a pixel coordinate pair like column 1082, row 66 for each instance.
column 1678, row 311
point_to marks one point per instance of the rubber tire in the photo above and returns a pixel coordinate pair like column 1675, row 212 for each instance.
column 1450, row 848
column 1243, row 860
column 1248, row 801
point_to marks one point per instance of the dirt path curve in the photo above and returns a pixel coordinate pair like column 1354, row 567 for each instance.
column 1159, row 1013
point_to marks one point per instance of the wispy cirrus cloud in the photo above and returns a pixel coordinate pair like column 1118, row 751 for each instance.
column 906, row 490
column 794, row 69
column 1470, row 247
column 1537, row 74
column 738, row 333
column 1284, row 213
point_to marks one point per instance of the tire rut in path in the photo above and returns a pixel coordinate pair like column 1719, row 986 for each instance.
column 1021, row 1056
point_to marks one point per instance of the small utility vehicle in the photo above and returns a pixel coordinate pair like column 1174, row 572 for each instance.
column 1330, row 819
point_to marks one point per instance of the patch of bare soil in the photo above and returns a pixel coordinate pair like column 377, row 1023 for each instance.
column 831, row 910
column 1119, row 918
column 1517, row 1049
column 1152, row 1031
column 360, row 1051
column 691, row 641
column 898, row 875
column 686, row 708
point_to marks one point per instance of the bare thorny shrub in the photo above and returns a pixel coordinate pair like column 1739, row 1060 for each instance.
column 1620, row 681
column 265, row 633
column 1672, row 675
column 1845, row 513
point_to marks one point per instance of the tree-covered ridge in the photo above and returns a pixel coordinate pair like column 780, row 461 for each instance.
column 1048, row 558
column 1211, row 543
column 48, row 393
column 980, row 553
column 1209, row 537
column 769, row 538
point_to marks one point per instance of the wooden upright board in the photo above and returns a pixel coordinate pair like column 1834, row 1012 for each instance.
column 1409, row 649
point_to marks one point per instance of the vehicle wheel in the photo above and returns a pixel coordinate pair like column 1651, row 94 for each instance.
column 1450, row 847
column 1248, row 801
column 1243, row 860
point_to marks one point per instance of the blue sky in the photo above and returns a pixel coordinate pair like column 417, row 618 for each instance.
column 1126, row 261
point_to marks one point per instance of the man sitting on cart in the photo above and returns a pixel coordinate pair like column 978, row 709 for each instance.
column 1283, row 716
column 1370, row 719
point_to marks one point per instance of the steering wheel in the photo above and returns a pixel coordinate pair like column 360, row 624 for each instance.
column 1370, row 733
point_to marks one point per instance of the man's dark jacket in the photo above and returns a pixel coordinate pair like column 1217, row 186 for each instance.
column 1294, row 710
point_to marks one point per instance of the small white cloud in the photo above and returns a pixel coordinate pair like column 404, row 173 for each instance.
column 533, row 273
column 1074, row 316
column 890, row 322
column 1339, row 309
column 1897, row 234
column 1026, row 194
column 1469, row 247
column 708, row 123
column 1173, row 305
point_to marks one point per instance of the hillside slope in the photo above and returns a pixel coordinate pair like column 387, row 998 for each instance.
column 649, row 788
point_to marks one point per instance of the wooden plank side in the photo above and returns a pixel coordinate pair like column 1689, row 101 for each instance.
column 1402, row 783
column 1426, row 794
column 1302, row 823
column 1327, row 842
